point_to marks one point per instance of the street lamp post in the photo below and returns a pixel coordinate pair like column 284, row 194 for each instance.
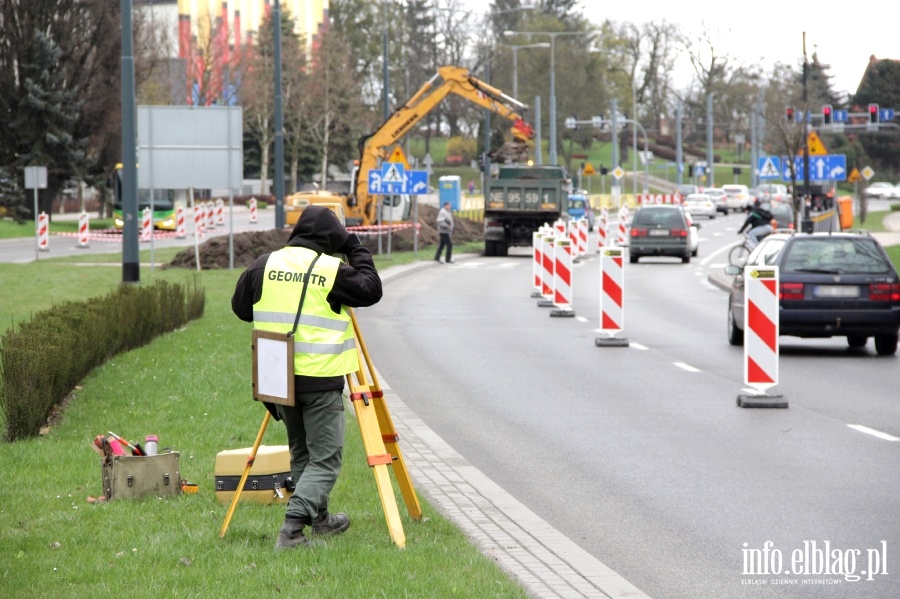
column 552, row 35
column 597, row 122
column 634, row 140
column 515, row 50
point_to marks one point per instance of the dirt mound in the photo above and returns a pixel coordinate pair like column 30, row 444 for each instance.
column 248, row 246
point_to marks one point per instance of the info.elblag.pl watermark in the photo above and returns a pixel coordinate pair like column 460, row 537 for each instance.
column 811, row 563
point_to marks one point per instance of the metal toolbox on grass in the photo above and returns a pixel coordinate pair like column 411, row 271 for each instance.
column 131, row 477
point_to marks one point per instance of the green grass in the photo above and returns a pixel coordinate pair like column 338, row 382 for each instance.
column 191, row 387
column 874, row 222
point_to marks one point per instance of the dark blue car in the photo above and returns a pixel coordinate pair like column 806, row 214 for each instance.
column 831, row 285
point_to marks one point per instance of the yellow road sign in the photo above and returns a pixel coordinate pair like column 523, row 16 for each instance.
column 398, row 156
column 854, row 176
column 815, row 145
column 589, row 169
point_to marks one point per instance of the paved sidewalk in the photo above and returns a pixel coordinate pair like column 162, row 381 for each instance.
column 544, row 561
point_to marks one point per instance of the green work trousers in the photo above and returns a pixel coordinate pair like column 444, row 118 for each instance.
column 315, row 431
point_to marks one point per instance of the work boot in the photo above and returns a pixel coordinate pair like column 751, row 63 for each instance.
column 291, row 533
column 330, row 524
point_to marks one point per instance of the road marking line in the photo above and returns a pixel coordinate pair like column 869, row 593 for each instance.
column 581, row 319
column 873, row 432
column 687, row 367
column 636, row 345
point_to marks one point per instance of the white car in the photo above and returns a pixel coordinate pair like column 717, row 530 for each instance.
column 738, row 196
column 700, row 204
column 719, row 198
column 882, row 190
column 694, row 234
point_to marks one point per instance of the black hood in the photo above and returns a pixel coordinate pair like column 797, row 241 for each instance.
column 318, row 229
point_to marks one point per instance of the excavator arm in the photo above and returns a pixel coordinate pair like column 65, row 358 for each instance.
column 448, row 80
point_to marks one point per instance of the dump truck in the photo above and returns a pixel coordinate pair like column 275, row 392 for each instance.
column 518, row 201
column 359, row 205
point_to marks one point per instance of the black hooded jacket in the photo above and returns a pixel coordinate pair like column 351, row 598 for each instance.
column 356, row 285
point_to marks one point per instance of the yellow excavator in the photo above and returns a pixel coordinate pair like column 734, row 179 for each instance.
column 359, row 207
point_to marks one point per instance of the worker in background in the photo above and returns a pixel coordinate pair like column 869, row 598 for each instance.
column 268, row 294
column 444, row 224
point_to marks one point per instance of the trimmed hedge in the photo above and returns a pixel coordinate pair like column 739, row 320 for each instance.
column 42, row 360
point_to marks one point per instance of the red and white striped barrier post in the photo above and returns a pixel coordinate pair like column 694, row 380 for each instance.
column 562, row 278
column 560, row 228
column 572, row 228
column 602, row 229
column 199, row 213
column 180, row 225
column 547, row 268
column 84, row 230
column 209, row 223
column 623, row 217
column 253, row 217
column 536, row 266
column 761, row 324
column 146, row 224
column 583, row 226
column 220, row 212
column 612, row 297
column 43, row 232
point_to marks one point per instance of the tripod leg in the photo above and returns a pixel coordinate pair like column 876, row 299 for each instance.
column 240, row 487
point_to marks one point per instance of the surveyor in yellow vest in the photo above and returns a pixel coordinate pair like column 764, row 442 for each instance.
column 268, row 295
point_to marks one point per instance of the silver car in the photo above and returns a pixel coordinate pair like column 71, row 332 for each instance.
column 700, row 204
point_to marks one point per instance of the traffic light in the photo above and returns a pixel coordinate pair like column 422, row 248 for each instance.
column 604, row 170
column 873, row 113
column 789, row 112
column 827, row 114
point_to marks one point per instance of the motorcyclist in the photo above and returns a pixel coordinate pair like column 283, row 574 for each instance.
column 760, row 223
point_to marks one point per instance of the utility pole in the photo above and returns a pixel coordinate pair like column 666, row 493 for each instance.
column 710, row 157
column 807, row 222
column 131, row 268
column 279, row 121
column 679, row 154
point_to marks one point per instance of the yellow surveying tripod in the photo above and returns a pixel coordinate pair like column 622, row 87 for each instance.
column 380, row 440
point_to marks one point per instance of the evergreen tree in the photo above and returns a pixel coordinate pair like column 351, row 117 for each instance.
column 881, row 85
column 44, row 119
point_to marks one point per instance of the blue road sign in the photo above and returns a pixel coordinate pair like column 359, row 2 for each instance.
column 840, row 116
column 416, row 182
column 374, row 181
column 769, row 167
column 409, row 182
column 886, row 114
column 832, row 167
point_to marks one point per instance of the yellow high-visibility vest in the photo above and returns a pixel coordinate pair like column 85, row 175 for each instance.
column 324, row 343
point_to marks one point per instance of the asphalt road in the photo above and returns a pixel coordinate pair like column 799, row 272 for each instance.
column 640, row 454
column 25, row 250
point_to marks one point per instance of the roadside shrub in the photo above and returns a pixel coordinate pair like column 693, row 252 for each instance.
column 43, row 359
column 464, row 147
column 895, row 207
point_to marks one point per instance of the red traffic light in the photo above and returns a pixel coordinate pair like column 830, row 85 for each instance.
column 789, row 112
column 827, row 114
column 873, row 113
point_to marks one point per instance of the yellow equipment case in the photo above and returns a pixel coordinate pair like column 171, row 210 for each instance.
column 269, row 480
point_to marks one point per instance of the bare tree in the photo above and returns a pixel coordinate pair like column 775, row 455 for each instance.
column 334, row 104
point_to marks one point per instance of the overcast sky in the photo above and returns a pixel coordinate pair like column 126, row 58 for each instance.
column 765, row 31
